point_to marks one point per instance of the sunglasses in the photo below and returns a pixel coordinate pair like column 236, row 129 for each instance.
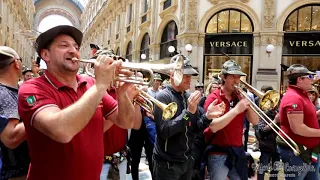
column 308, row 76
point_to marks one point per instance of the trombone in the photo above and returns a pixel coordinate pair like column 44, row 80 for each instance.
column 168, row 111
column 269, row 100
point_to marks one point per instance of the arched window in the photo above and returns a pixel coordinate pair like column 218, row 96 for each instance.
column 229, row 21
column 144, row 49
column 306, row 18
column 129, row 51
column 168, row 39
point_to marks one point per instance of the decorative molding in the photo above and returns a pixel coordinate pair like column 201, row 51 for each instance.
column 245, row 1
column 182, row 15
column 163, row 24
column 192, row 15
column 170, row 10
column 214, row 1
column 269, row 13
column 275, row 38
column 188, row 38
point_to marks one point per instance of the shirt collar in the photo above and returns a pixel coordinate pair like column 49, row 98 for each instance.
column 298, row 89
column 173, row 90
column 233, row 95
column 57, row 84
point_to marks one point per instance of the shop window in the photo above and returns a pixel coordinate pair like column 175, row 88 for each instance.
column 306, row 18
column 168, row 39
column 229, row 21
column 129, row 51
column 144, row 49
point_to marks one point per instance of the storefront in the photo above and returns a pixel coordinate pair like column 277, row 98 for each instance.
column 301, row 43
column 230, row 32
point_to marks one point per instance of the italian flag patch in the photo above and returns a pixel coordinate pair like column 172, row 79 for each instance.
column 314, row 157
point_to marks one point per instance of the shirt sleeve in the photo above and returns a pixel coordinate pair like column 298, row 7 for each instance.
column 32, row 98
column 294, row 106
column 9, row 105
column 109, row 105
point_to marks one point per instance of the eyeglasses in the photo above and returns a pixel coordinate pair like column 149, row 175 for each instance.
column 308, row 76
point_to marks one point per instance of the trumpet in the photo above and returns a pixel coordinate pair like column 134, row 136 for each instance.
column 150, row 68
column 269, row 100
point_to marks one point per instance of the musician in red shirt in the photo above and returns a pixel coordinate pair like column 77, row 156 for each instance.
column 224, row 133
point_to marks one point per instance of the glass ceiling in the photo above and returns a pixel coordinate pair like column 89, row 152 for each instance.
column 81, row 4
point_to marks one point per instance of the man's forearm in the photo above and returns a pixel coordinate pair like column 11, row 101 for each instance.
column 13, row 134
column 306, row 131
column 252, row 117
column 223, row 121
column 74, row 118
column 126, row 112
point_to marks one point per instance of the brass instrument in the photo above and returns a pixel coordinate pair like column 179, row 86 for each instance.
column 168, row 110
column 268, row 100
column 161, row 68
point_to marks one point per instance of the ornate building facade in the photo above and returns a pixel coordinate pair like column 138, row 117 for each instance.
column 17, row 16
column 259, row 35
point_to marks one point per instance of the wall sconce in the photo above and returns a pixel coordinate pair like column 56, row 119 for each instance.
column 269, row 49
column 171, row 49
column 188, row 48
column 143, row 56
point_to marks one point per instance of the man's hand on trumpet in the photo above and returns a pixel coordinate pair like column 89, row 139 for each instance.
column 104, row 69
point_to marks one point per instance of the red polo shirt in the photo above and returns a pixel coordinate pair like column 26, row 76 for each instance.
column 79, row 159
column 296, row 101
column 115, row 138
column 231, row 135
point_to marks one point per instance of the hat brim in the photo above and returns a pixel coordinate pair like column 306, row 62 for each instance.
column 236, row 72
column 190, row 71
column 157, row 79
column 44, row 38
column 296, row 75
column 6, row 54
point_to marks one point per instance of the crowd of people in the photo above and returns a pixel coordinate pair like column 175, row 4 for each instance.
column 59, row 124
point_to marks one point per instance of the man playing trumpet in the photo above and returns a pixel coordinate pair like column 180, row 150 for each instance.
column 64, row 113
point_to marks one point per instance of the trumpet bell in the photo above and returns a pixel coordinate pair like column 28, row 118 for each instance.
column 269, row 100
column 169, row 111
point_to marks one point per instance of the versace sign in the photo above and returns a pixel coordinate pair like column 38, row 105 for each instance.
column 228, row 43
column 301, row 43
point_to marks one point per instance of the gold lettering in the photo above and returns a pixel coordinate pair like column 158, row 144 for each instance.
column 298, row 43
column 304, row 43
column 291, row 43
column 211, row 44
column 222, row 44
column 311, row 44
column 233, row 44
column 317, row 43
column 244, row 43
column 228, row 44
column 217, row 44
column 239, row 44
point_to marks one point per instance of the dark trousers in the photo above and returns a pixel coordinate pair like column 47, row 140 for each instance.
column 246, row 134
column 164, row 170
column 138, row 140
column 265, row 159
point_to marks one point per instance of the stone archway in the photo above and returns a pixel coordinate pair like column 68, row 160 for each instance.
column 56, row 10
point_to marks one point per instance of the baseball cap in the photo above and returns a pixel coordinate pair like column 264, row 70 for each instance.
column 47, row 36
column 298, row 70
column 231, row 67
column 187, row 67
column 157, row 76
column 6, row 55
column 94, row 46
